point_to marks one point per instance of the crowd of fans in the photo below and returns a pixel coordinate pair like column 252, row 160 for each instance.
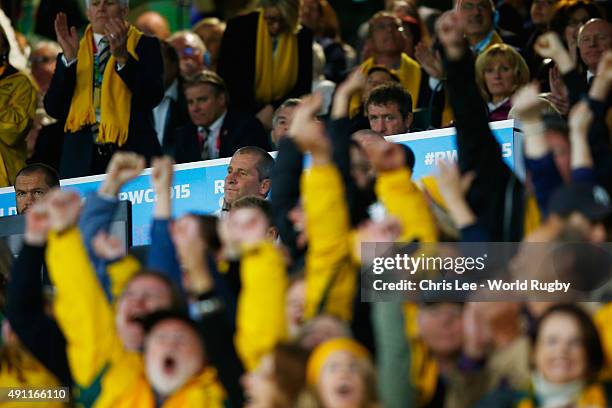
column 259, row 304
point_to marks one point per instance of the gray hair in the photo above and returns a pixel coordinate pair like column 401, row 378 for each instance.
column 124, row 3
column 197, row 41
column 265, row 162
column 289, row 103
column 55, row 47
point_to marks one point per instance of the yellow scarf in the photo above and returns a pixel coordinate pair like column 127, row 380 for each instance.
column 409, row 74
column 204, row 390
column 115, row 97
column 593, row 396
column 275, row 72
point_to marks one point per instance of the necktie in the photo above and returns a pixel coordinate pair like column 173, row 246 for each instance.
column 203, row 141
column 103, row 54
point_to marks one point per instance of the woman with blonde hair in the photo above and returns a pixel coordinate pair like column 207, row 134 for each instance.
column 500, row 71
column 340, row 374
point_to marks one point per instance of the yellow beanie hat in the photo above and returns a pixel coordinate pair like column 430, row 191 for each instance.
column 320, row 354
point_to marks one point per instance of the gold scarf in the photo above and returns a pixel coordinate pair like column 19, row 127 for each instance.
column 275, row 72
column 409, row 74
column 116, row 98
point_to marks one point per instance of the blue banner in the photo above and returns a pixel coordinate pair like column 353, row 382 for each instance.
column 198, row 187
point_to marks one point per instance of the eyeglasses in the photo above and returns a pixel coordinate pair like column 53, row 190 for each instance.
column 188, row 51
column 41, row 60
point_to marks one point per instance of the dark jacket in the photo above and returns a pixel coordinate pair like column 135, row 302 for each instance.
column 238, row 130
column 237, row 62
column 144, row 78
column 25, row 309
column 496, row 196
column 178, row 116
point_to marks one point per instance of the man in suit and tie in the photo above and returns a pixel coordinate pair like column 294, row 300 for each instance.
column 171, row 113
column 105, row 87
column 215, row 130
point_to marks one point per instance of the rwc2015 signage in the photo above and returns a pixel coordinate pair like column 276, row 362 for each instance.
column 198, row 187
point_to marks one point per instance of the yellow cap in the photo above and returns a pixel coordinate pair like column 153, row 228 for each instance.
column 320, row 354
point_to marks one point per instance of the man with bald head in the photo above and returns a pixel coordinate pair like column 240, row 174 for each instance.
column 594, row 38
column 153, row 24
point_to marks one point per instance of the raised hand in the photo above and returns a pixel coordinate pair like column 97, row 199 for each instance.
column 430, row 60
column 64, row 207
column 526, row 103
column 123, row 167
column 37, row 224
column 108, row 247
column 604, row 68
column 116, row 33
column 549, row 45
column 161, row 174
column 242, row 227
column 449, row 30
column 354, row 83
column 383, row 155
column 67, row 38
column 161, row 179
column 308, row 132
column 452, row 184
column 603, row 80
column 580, row 119
column 558, row 95
column 192, row 249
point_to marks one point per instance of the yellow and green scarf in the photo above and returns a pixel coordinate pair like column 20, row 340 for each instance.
column 116, row 98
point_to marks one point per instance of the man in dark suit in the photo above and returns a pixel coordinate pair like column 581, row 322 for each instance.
column 172, row 112
column 105, row 87
column 216, row 130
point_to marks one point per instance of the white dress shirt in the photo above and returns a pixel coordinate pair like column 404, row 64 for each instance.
column 160, row 112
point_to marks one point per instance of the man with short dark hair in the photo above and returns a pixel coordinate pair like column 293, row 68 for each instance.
column 389, row 109
column 32, row 183
column 248, row 173
column 282, row 119
column 215, row 129
column 258, row 204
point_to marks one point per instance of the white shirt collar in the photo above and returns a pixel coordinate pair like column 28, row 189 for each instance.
column 172, row 91
column 492, row 106
column 97, row 39
column 216, row 125
column 589, row 75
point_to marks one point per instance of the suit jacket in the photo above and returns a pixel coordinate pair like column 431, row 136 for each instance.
column 144, row 78
column 238, row 130
column 237, row 63
column 178, row 116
